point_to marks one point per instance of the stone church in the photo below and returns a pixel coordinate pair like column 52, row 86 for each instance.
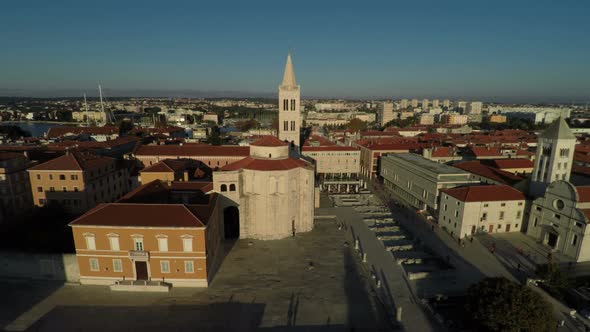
column 270, row 194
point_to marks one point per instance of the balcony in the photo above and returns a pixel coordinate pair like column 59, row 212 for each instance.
column 139, row 255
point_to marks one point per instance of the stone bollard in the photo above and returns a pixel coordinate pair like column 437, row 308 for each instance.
column 379, row 283
column 364, row 257
column 356, row 244
column 398, row 314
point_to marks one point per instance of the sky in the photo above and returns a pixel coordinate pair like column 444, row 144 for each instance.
column 518, row 50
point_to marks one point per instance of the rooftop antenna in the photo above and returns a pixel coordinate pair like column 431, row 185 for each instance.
column 101, row 104
column 86, row 109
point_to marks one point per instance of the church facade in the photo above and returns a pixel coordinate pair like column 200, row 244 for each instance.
column 560, row 211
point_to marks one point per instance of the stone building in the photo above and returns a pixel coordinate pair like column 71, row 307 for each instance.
column 15, row 188
column 289, row 107
column 268, row 195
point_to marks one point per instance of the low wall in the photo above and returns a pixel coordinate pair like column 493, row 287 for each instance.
column 39, row 266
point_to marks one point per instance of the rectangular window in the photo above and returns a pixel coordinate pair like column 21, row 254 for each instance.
column 292, row 104
column 138, row 244
column 503, row 204
column 114, row 243
column 574, row 240
column 501, row 215
column 189, row 267
column 285, row 104
column 518, row 214
column 62, row 177
column 94, row 264
column 286, row 125
column 90, row 243
column 38, row 176
column 499, row 226
column 519, row 203
column 74, row 177
column 486, row 205
column 117, row 266
column 292, row 125
column 165, row 266
column 50, row 176
column 52, row 189
column 163, row 244
column 484, row 216
column 39, row 189
column 187, row 244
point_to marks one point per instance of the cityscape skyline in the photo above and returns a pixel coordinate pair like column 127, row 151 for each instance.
column 499, row 52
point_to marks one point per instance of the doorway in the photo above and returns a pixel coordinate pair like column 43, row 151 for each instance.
column 231, row 222
column 507, row 228
column 491, row 229
column 141, row 271
column 552, row 240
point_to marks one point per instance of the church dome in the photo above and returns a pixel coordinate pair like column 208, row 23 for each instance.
column 269, row 147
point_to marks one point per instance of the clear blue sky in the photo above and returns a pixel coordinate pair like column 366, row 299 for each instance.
column 531, row 49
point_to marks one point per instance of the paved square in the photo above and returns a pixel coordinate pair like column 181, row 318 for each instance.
column 310, row 282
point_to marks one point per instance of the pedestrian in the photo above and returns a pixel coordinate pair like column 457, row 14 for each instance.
column 471, row 239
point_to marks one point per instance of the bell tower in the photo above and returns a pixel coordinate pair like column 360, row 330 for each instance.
column 289, row 108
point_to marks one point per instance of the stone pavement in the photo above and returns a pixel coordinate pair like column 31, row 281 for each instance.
column 307, row 283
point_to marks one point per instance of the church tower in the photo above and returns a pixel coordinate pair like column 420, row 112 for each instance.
column 553, row 160
column 289, row 111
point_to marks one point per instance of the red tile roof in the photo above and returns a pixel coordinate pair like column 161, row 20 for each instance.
column 10, row 155
column 193, row 150
column 492, row 173
column 205, row 187
column 583, row 194
column 586, row 212
column 265, row 164
column 269, row 140
column 485, row 193
column 479, row 151
column 143, row 215
column 443, row 151
column 513, row 163
column 166, row 165
column 328, row 148
column 74, row 161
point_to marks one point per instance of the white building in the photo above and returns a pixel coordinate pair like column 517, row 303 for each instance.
column 414, row 103
column 403, row 104
column 553, row 160
column 385, row 113
column 465, row 211
column 474, row 107
column 425, row 104
column 435, row 103
column 289, row 107
column 446, row 103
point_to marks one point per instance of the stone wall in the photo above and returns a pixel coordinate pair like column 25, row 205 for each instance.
column 39, row 266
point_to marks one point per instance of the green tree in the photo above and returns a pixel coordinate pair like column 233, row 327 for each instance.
column 497, row 304
column 125, row 126
column 247, row 125
column 357, row 125
column 214, row 136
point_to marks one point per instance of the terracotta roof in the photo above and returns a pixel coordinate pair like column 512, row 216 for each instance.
column 205, row 187
column 492, row 173
column 166, row 165
column 443, row 151
column 74, row 161
column 586, row 213
column 265, row 164
column 583, row 194
column 269, row 140
column 140, row 215
column 10, row 155
column 480, row 151
column 328, row 148
column 513, row 163
column 485, row 193
column 193, row 150
column 584, row 170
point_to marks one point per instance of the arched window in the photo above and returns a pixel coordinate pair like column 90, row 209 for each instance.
column 292, row 104
column 232, row 187
column 223, row 187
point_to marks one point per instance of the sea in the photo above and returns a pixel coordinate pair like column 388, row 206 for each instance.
column 37, row 129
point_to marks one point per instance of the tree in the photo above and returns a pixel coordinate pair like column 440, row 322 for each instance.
column 497, row 304
column 125, row 126
column 247, row 125
column 357, row 125
column 214, row 137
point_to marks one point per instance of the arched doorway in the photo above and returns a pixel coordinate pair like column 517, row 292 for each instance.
column 231, row 222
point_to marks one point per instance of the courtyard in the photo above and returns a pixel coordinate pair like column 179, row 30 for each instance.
column 310, row 282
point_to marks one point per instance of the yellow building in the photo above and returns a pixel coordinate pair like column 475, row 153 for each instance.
column 78, row 181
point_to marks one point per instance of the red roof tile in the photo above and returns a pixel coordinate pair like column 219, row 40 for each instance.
column 485, row 193
column 513, row 163
column 265, row 164
column 583, row 194
column 74, row 161
column 193, row 150
column 269, row 140
column 328, row 148
column 140, row 215
column 489, row 172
